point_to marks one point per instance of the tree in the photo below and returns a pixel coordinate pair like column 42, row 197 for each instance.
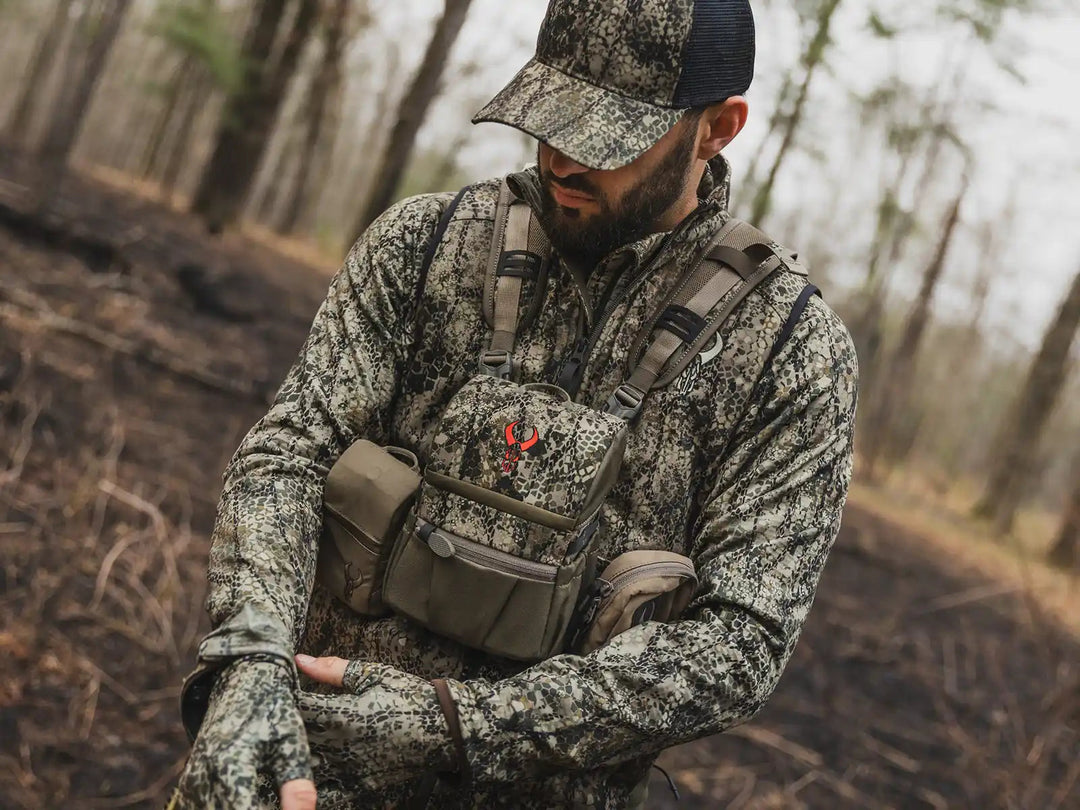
column 812, row 60
column 412, row 110
column 324, row 93
column 67, row 120
column 893, row 393
column 1018, row 438
column 40, row 66
column 196, row 30
column 250, row 113
column 1065, row 552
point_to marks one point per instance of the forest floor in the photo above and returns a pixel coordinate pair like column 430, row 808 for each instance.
column 128, row 376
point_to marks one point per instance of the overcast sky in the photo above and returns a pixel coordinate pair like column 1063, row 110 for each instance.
column 1026, row 145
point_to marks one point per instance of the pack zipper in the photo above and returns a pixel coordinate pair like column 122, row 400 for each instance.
column 444, row 544
column 623, row 578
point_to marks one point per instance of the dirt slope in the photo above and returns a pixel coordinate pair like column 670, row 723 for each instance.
column 126, row 382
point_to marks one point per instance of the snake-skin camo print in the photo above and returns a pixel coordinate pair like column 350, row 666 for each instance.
column 633, row 47
column 558, row 449
column 602, row 92
column 252, row 724
column 745, row 472
column 385, row 732
column 598, row 129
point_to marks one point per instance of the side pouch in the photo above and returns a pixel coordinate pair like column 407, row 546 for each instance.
column 367, row 497
column 637, row 587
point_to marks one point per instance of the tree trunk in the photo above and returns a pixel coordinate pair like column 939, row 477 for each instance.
column 894, row 391
column 250, row 114
column 1065, row 553
column 815, row 57
column 34, row 86
column 67, row 120
column 177, row 82
column 195, row 98
column 1018, row 440
column 412, row 111
column 775, row 119
column 324, row 90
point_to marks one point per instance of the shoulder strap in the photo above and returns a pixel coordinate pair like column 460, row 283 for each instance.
column 809, row 291
column 519, row 253
column 736, row 260
column 433, row 246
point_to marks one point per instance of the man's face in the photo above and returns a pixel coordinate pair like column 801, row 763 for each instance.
column 589, row 213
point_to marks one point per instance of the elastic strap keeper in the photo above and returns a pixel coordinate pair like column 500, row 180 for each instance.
column 682, row 322
column 519, row 264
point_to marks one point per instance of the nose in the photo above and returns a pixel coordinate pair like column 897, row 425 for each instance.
column 562, row 166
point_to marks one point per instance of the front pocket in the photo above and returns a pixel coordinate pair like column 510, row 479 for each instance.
column 486, row 599
column 349, row 564
column 638, row 586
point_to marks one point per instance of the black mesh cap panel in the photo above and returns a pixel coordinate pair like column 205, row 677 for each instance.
column 718, row 60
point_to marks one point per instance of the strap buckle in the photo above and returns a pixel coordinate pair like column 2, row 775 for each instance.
column 497, row 364
column 626, row 402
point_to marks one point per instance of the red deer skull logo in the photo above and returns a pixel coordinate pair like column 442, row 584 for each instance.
column 514, row 448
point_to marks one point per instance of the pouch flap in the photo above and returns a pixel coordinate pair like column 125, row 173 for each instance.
column 370, row 488
column 530, row 444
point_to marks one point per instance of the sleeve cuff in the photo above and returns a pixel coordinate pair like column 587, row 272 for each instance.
column 249, row 633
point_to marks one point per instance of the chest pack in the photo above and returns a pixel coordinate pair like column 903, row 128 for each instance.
column 493, row 543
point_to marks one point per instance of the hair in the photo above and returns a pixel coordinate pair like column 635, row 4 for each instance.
column 694, row 114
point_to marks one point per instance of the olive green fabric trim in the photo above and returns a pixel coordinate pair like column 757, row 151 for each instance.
column 504, row 503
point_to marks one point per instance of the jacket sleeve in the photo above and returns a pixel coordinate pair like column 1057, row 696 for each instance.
column 760, row 547
column 265, row 539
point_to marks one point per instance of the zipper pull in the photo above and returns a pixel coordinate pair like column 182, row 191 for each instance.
column 601, row 590
column 573, row 368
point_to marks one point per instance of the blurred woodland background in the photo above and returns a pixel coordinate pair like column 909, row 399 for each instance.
column 178, row 178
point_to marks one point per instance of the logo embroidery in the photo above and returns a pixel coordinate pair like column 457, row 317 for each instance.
column 515, row 448
column 686, row 384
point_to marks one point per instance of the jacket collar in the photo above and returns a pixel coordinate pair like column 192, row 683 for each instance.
column 713, row 195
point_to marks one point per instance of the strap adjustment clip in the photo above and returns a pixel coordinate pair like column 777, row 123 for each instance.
column 497, row 364
column 626, row 402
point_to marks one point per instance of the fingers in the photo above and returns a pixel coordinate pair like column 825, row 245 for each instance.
column 299, row 794
column 324, row 670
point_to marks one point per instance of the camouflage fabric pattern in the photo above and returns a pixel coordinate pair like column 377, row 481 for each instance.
column 744, row 472
column 253, row 723
column 559, row 450
column 385, row 730
column 595, row 92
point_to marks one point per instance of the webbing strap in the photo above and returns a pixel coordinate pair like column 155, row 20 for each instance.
column 724, row 273
column 508, row 287
column 667, row 343
column 518, row 252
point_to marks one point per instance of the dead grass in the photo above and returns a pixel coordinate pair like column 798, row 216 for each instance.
column 1016, row 561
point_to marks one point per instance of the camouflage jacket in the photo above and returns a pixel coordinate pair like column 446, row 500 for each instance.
column 743, row 470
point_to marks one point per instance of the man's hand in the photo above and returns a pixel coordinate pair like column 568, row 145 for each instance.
column 391, row 729
column 252, row 725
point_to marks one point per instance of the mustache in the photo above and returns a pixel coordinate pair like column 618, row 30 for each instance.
column 572, row 182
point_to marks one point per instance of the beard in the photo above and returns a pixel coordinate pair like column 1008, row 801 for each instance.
column 585, row 240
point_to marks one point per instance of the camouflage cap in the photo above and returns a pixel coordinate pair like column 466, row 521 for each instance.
column 611, row 77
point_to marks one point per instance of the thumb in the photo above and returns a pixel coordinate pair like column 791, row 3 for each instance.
column 324, row 670
column 299, row 794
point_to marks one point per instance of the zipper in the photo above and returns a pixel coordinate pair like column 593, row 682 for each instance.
column 613, row 298
column 621, row 579
column 446, row 545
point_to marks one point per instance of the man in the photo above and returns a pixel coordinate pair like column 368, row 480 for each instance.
column 742, row 464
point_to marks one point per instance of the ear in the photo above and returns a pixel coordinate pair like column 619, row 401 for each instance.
column 719, row 125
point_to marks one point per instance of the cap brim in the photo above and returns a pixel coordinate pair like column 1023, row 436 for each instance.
column 597, row 128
